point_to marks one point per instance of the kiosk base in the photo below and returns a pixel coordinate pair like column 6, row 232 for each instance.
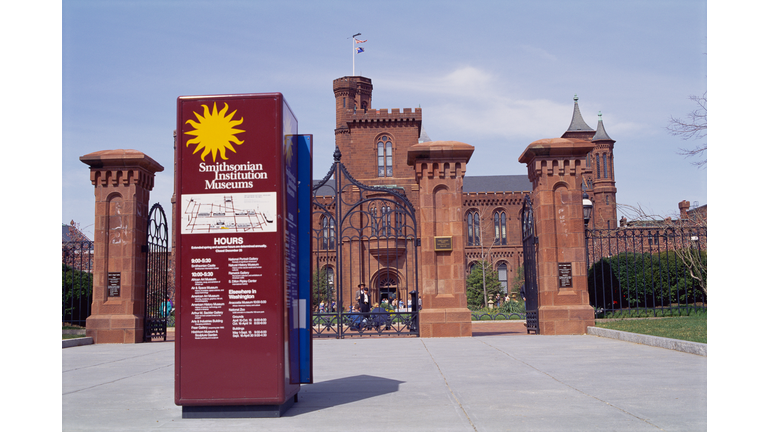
column 237, row 411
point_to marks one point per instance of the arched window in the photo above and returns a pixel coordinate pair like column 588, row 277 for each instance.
column 605, row 167
column 502, row 271
column 329, row 277
column 386, row 220
column 473, row 228
column 384, row 152
column 500, row 228
column 610, row 166
column 477, row 228
column 329, row 233
column 597, row 163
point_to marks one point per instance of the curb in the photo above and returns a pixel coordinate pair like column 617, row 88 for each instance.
column 68, row 343
column 656, row 341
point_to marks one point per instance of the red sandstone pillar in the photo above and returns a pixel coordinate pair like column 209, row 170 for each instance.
column 440, row 167
column 122, row 181
column 555, row 168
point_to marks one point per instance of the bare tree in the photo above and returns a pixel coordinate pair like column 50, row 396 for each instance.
column 687, row 242
column 692, row 127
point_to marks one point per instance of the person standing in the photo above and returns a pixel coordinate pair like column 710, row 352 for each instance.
column 166, row 307
column 363, row 299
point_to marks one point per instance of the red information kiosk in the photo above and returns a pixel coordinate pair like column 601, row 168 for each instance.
column 243, row 344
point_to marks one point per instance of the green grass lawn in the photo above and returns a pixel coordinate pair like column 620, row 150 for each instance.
column 689, row 328
column 71, row 336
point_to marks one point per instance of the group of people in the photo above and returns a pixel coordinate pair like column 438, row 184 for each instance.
column 365, row 317
column 330, row 307
column 500, row 301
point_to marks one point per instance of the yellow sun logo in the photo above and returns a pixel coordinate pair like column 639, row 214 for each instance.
column 215, row 132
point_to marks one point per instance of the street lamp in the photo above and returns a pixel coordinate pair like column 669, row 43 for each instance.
column 587, row 208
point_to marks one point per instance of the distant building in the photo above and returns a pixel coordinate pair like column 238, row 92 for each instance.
column 76, row 248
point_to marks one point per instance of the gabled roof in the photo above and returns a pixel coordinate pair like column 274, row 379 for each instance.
column 70, row 233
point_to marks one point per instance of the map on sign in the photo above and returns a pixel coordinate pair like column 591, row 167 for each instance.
column 230, row 213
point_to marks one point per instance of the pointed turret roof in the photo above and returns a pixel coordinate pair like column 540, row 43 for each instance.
column 577, row 121
column 424, row 137
column 600, row 134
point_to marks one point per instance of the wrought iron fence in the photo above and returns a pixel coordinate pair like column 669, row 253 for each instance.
column 400, row 323
column 363, row 235
column 498, row 316
column 648, row 271
column 76, row 282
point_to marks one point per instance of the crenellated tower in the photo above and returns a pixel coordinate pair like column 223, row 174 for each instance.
column 374, row 142
column 352, row 93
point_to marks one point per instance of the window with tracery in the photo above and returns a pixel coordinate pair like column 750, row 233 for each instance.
column 500, row 228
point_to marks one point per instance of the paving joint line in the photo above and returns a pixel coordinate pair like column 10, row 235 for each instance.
column 570, row 386
column 445, row 380
column 116, row 380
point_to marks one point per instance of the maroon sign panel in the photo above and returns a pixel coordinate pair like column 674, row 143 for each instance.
column 231, row 287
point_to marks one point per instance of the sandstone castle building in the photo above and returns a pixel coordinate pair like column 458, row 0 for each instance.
column 375, row 143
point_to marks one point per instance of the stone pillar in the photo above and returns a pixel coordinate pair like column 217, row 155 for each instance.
column 122, row 181
column 440, row 167
column 555, row 168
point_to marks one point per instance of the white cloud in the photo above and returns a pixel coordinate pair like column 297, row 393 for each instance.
column 471, row 101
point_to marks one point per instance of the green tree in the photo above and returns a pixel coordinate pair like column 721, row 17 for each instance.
column 322, row 289
column 76, row 292
column 475, row 293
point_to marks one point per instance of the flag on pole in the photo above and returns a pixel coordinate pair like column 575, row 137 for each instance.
column 360, row 41
column 360, row 49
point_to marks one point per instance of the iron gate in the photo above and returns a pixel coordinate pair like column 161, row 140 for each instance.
column 531, row 287
column 363, row 234
column 76, row 277
column 158, row 308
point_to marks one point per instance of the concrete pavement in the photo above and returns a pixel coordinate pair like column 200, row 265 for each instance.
column 483, row 383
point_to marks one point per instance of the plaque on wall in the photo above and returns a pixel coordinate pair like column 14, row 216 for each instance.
column 443, row 244
column 564, row 275
column 113, row 284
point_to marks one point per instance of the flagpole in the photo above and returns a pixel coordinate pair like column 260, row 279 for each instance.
column 353, row 52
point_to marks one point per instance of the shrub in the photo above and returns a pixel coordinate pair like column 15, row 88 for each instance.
column 76, row 294
column 642, row 280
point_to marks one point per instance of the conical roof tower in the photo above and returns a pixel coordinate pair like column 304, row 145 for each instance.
column 578, row 127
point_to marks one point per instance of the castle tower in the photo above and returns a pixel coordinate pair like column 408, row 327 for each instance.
column 604, row 191
column 352, row 93
column 374, row 142
column 598, row 177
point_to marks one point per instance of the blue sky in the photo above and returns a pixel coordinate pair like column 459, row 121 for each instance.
column 495, row 74
column 83, row 76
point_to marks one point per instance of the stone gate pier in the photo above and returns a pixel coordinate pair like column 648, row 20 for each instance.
column 555, row 168
column 122, row 181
